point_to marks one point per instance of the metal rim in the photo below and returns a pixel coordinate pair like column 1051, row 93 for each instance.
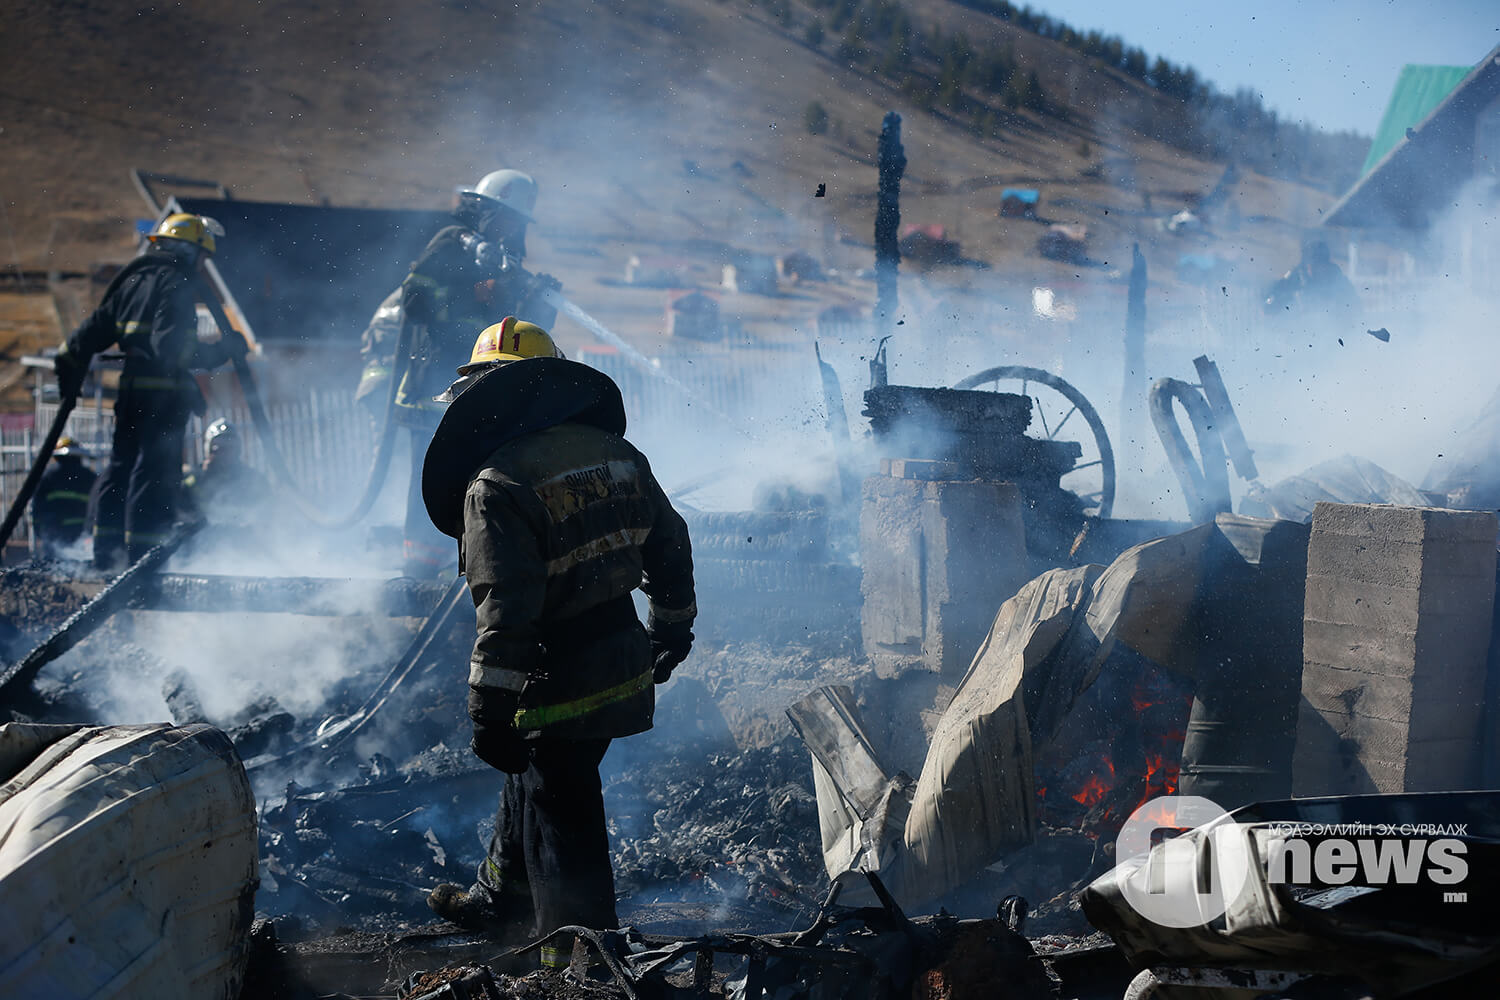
column 1104, row 499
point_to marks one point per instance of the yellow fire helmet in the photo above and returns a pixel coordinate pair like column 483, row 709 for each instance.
column 198, row 230
column 510, row 339
column 65, row 447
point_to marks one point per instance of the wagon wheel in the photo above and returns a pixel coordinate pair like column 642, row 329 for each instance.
column 1093, row 478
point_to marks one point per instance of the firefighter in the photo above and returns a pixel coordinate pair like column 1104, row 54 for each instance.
column 224, row 488
column 468, row 278
column 149, row 311
column 60, row 509
column 558, row 520
column 1315, row 284
column 377, row 347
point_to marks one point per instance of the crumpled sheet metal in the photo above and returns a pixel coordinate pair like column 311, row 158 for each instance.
column 976, row 795
column 1346, row 479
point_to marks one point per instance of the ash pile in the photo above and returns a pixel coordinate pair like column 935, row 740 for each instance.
column 368, row 792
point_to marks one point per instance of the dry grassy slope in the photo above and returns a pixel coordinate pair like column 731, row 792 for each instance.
column 394, row 104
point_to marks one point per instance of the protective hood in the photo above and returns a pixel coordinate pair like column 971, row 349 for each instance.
column 501, row 405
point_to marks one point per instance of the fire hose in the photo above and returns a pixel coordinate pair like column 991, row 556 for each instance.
column 374, row 480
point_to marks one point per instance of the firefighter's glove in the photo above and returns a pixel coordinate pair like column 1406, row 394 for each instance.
column 71, row 372
column 543, row 283
column 496, row 741
column 236, row 347
column 501, row 747
column 670, row 645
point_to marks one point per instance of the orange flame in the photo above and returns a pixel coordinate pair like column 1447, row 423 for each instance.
column 1096, row 787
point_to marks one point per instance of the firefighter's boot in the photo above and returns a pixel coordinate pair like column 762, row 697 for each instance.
column 476, row 908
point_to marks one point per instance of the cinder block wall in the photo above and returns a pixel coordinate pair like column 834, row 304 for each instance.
column 1396, row 630
column 939, row 557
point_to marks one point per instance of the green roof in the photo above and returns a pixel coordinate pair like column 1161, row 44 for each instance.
column 1419, row 89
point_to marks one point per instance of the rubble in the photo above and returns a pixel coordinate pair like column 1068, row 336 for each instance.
column 1036, row 724
column 735, row 829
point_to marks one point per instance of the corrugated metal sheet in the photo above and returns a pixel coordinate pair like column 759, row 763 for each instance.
column 1418, row 90
column 1429, row 155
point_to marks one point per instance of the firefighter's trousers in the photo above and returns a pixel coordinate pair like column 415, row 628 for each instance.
column 550, row 836
column 134, row 500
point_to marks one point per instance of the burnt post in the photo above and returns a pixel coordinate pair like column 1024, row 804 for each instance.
column 1135, row 343
column 892, row 160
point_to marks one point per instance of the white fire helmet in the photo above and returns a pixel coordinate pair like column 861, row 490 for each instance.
column 219, row 435
column 511, row 188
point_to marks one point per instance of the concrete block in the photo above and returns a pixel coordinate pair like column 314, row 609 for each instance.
column 1340, row 692
column 893, row 617
column 1403, row 524
column 1396, row 633
column 926, row 469
column 939, row 557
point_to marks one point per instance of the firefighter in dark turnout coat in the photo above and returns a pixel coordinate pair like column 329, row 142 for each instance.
column 558, row 519
column 60, row 509
column 468, row 278
column 149, row 310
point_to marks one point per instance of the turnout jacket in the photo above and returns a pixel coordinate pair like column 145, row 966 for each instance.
column 60, row 509
column 149, row 310
column 558, row 523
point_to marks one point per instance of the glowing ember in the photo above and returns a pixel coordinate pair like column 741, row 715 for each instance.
column 1095, row 787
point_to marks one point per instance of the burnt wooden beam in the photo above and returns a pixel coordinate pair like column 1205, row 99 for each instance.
column 892, row 160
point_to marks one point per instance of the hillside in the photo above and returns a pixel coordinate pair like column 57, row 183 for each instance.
column 654, row 126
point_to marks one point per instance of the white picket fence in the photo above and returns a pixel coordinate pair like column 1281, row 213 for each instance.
column 326, row 439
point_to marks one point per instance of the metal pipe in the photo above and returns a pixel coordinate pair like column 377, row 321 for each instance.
column 1205, row 486
column 1135, row 343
